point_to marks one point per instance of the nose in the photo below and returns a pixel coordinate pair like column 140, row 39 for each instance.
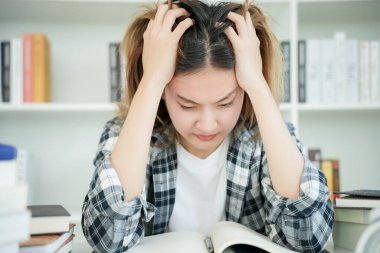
column 207, row 122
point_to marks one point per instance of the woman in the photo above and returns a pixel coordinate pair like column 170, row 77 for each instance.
column 200, row 137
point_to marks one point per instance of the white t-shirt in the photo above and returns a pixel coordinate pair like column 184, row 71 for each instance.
column 200, row 190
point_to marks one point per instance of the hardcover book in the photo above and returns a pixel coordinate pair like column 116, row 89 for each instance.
column 48, row 219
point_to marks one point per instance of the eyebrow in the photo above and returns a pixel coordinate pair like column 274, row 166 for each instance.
column 220, row 100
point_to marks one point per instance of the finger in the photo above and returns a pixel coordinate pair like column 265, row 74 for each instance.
column 172, row 15
column 232, row 36
column 160, row 15
column 181, row 28
column 148, row 29
column 248, row 20
column 240, row 23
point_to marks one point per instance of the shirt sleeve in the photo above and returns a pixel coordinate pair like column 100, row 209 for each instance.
column 109, row 223
column 304, row 224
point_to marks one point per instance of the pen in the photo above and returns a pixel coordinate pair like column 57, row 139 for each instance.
column 208, row 243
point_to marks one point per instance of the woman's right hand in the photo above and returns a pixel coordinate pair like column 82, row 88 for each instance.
column 161, row 43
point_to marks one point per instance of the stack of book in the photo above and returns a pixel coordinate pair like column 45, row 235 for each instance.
column 14, row 216
column 330, row 168
column 50, row 230
column 25, row 69
column 352, row 216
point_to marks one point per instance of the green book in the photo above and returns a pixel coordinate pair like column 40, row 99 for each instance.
column 352, row 214
column 346, row 234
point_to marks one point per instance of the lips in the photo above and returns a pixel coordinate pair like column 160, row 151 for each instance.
column 205, row 137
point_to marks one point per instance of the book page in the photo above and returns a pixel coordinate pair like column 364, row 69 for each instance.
column 172, row 242
column 226, row 233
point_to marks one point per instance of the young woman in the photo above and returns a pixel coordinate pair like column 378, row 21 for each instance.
column 200, row 138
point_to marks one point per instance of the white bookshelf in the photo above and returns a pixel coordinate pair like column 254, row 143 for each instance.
column 62, row 136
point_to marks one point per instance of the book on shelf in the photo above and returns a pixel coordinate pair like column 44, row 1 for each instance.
column 225, row 236
column 330, row 168
column 48, row 219
column 49, row 243
column 338, row 70
column 352, row 214
column 115, row 71
column 5, row 70
column 285, row 46
column 26, row 69
column 359, row 198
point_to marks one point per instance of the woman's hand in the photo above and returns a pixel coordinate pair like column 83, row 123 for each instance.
column 161, row 43
column 246, row 45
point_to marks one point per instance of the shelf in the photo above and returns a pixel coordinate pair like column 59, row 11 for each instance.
column 59, row 107
column 338, row 11
column 78, row 10
column 337, row 108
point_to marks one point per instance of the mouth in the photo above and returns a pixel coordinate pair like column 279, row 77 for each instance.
column 205, row 137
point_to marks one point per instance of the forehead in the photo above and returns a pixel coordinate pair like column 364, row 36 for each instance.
column 207, row 84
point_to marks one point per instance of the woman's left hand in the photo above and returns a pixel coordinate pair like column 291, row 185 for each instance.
column 246, row 45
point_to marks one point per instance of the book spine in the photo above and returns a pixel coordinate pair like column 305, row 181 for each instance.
column 336, row 178
column 16, row 72
column 285, row 45
column 352, row 71
column 364, row 82
column 313, row 66
column 340, row 80
column 41, row 68
column 374, row 70
column 27, row 40
column 301, row 71
column 328, row 71
column 5, row 70
column 327, row 169
column 114, row 71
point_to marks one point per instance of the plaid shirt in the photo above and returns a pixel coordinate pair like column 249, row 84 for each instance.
column 112, row 225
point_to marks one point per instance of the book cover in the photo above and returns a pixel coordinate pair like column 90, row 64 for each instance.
column 27, row 40
column 374, row 71
column 224, row 235
column 352, row 71
column 16, row 81
column 327, row 168
column 364, row 81
column 49, row 219
column 315, row 157
column 352, row 214
column 313, row 71
column 5, row 70
column 340, row 61
column 285, row 46
column 302, row 71
column 115, row 72
column 41, row 68
column 347, row 234
column 328, row 71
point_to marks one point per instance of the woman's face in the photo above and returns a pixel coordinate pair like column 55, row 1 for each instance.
column 204, row 107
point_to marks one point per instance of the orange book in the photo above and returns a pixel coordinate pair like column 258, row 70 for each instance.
column 41, row 68
column 327, row 168
column 27, row 40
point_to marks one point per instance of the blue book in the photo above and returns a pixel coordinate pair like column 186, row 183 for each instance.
column 7, row 152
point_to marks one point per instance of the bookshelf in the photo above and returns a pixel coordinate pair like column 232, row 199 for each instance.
column 62, row 136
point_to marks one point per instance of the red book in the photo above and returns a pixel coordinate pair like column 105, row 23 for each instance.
column 27, row 40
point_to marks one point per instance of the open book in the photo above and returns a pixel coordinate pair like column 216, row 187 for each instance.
column 226, row 237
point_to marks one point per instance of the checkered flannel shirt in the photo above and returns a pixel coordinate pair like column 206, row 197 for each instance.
column 111, row 224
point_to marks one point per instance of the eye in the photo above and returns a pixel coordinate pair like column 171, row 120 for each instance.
column 187, row 107
column 226, row 105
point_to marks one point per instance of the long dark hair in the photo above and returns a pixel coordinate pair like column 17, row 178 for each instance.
column 203, row 44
